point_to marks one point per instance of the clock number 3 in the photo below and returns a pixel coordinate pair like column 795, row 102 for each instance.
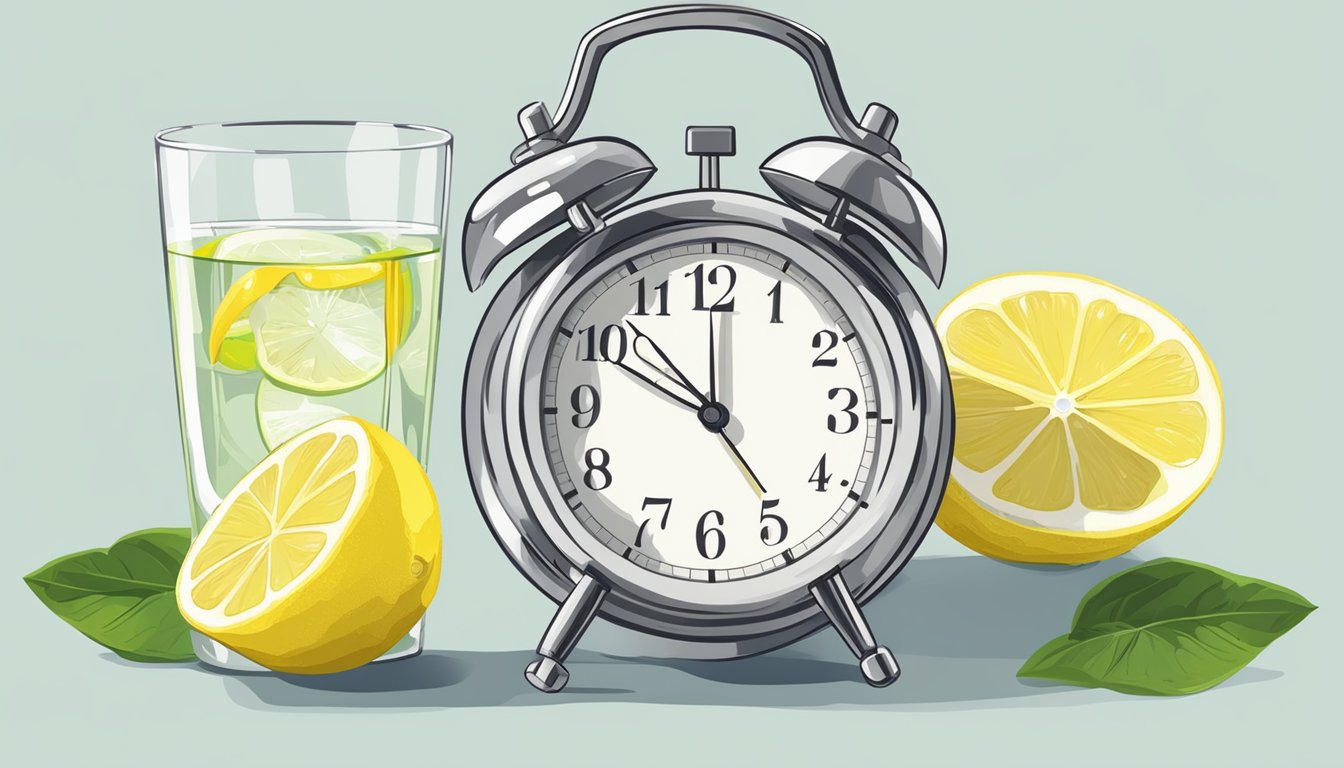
column 851, row 418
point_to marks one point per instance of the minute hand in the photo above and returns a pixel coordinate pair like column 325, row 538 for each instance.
column 658, row 352
column 655, row 385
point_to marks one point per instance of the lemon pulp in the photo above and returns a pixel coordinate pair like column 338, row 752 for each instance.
column 1087, row 418
column 322, row 557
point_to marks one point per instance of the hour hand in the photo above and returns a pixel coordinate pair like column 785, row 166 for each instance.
column 656, row 385
column 647, row 350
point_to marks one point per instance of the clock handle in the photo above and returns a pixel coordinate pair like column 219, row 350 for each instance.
column 537, row 122
column 547, row 673
column 878, row 664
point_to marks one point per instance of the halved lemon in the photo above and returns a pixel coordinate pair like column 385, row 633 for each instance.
column 1088, row 418
column 322, row 557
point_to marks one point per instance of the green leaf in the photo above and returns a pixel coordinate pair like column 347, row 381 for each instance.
column 123, row 597
column 1168, row 627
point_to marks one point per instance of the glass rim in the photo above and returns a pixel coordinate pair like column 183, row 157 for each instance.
column 435, row 137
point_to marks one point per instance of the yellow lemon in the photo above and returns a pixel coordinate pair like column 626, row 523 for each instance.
column 1088, row 418
column 322, row 557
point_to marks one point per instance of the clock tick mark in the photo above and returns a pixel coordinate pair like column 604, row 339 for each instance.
column 873, row 414
column 849, row 337
column 568, row 333
column 550, row 410
column 627, row 552
column 888, row 421
column 853, row 495
column 630, row 266
column 788, row 556
column 785, row 268
column 712, row 577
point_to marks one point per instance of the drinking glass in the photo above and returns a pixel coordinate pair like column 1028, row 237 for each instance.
column 247, row 210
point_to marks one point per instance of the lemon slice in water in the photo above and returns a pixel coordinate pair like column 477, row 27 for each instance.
column 301, row 258
column 285, row 245
column 283, row 413
column 321, row 341
column 1088, row 418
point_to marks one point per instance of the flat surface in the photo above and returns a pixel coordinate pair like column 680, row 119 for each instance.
column 1188, row 152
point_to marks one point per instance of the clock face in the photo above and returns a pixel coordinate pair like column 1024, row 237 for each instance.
column 709, row 412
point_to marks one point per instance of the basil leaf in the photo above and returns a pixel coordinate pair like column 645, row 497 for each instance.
column 123, row 597
column 1168, row 627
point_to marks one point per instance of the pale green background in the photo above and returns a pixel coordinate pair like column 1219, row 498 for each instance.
column 1189, row 152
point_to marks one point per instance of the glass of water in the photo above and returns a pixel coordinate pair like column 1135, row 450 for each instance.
column 304, row 272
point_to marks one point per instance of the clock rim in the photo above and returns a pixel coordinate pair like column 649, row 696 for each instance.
column 511, row 334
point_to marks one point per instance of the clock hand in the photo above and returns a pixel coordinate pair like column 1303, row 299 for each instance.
column 743, row 466
column 664, row 390
column 704, row 408
column 713, row 385
column 674, row 370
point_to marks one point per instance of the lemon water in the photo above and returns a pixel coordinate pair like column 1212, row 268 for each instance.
column 279, row 327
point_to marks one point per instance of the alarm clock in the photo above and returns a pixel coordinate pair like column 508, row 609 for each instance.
column 720, row 419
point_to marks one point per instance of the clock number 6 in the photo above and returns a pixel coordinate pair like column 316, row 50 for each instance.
column 662, row 524
column 709, row 540
column 596, row 461
column 769, row 521
column 833, row 420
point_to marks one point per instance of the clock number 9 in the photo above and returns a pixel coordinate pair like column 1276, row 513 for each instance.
column 709, row 540
column 846, row 410
column 585, row 417
column 597, row 477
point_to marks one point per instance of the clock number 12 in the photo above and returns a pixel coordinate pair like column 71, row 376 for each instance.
column 725, row 302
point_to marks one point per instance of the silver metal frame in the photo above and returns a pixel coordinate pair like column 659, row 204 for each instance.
column 501, row 416
column 502, row 419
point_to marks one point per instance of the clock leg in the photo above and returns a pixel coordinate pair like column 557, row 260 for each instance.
column 878, row 665
column 548, row 674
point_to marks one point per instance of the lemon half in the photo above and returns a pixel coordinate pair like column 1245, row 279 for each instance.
column 322, row 557
column 1088, row 418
